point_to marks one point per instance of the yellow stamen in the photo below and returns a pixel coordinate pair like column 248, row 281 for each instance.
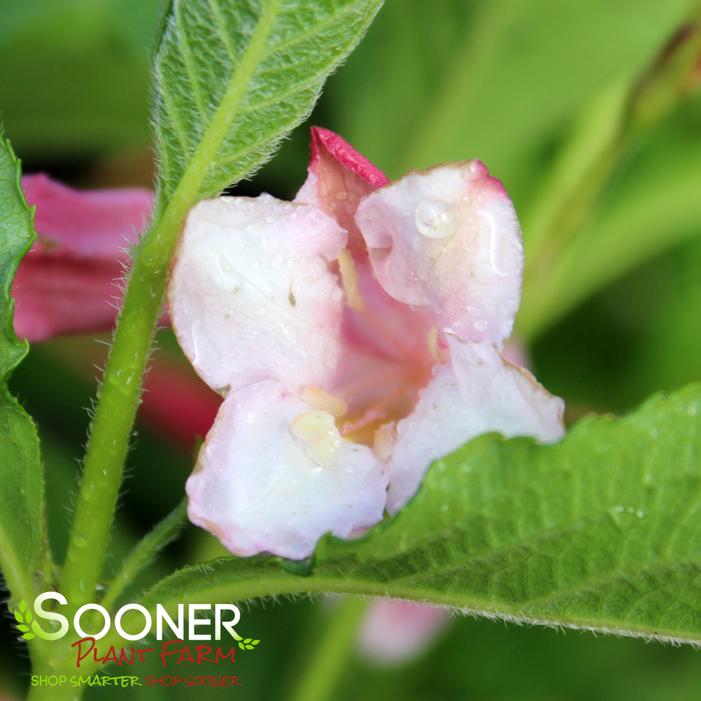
column 349, row 279
column 384, row 441
column 318, row 398
column 433, row 344
column 440, row 355
column 317, row 431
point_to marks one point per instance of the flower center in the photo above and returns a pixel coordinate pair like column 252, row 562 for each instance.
column 389, row 350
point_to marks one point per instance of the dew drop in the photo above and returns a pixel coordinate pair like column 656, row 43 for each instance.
column 434, row 219
column 498, row 247
column 302, row 568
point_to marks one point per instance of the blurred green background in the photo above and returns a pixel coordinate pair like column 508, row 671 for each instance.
column 516, row 83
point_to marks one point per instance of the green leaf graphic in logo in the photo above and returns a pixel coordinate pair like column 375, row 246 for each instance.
column 246, row 643
column 23, row 616
column 26, row 625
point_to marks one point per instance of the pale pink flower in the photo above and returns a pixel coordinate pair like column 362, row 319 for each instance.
column 394, row 631
column 356, row 336
column 69, row 281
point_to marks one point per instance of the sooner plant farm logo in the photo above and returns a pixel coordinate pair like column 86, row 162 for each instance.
column 132, row 622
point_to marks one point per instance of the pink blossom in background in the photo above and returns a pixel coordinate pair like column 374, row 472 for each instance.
column 176, row 404
column 356, row 336
column 395, row 631
column 69, row 281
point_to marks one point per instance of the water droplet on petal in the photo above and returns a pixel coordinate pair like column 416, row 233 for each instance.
column 498, row 247
column 434, row 219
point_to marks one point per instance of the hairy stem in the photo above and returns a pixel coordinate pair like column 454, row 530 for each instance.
column 118, row 397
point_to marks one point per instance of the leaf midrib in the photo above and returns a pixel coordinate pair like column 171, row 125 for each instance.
column 192, row 178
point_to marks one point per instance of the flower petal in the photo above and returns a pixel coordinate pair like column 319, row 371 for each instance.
column 448, row 239
column 69, row 281
column 478, row 392
column 259, row 488
column 90, row 223
column 338, row 178
column 251, row 295
column 56, row 295
column 395, row 631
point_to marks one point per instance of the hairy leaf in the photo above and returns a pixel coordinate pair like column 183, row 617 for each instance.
column 601, row 531
column 22, row 520
column 232, row 78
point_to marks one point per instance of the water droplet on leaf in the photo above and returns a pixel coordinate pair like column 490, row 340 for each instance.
column 301, row 568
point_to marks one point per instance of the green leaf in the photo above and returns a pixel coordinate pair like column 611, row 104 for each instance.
column 232, row 78
column 601, row 531
column 22, row 627
column 22, row 519
column 29, row 636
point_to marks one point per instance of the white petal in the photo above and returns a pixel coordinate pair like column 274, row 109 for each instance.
column 477, row 393
column 448, row 239
column 251, row 295
column 260, row 488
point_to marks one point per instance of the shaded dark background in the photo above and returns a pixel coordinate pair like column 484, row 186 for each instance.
column 502, row 80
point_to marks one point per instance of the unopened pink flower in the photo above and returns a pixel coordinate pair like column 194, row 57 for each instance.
column 356, row 336
column 69, row 281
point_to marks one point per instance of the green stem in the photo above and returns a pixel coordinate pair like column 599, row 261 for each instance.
column 144, row 553
column 118, row 399
column 119, row 395
column 326, row 663
column 45, row 663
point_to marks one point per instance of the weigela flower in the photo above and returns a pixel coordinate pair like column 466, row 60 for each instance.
column 69, row 280
column 356, row 335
